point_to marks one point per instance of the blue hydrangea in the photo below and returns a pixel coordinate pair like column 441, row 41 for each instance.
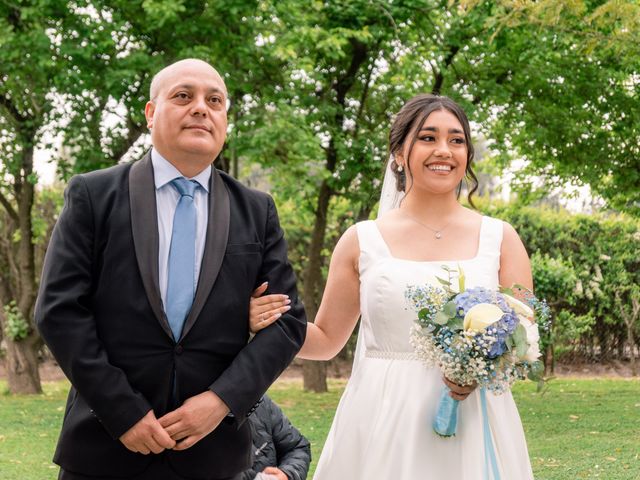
column 473, row 296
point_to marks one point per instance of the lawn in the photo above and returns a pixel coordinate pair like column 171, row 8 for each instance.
column 578, row 429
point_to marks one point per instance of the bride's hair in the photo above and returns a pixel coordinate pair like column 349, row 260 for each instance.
column 412, row 115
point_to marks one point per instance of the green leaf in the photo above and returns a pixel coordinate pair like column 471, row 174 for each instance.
column 441, row 318
column 520, row 334
column 521, row 347
column 536, row 371
column 423, row 314
column 450, row 309
column 509, row 342
column 444, row 282
column 455, row 324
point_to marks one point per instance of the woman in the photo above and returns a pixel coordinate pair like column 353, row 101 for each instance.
column 382, row 427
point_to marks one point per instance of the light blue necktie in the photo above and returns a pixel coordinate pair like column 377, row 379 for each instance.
column 182, row 257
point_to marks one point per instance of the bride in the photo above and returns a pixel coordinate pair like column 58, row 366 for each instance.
column 382, row 427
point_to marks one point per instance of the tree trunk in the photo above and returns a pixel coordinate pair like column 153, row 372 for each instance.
column 630, row 318
column 22, row 365
column 315, row 373
column 632, row 355
column 22, row 354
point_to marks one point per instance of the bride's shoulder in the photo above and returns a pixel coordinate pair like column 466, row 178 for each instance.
column 508, row 232
column 348, row 244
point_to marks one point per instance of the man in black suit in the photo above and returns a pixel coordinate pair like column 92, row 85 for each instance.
column 162, row 373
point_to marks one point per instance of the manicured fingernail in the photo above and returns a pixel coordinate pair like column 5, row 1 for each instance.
column 287, row 301
column 278, row 315
column 287, row 309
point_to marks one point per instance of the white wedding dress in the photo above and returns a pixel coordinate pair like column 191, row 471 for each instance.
column 382, row 427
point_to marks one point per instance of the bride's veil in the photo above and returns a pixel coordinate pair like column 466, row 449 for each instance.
column 390, row 198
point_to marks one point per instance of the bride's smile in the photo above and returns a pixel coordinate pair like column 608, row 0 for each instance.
column 438, row 158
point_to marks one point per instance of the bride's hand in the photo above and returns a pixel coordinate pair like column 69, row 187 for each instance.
column 263, row 311
column 459, row 392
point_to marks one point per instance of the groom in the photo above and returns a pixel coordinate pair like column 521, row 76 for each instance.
column 145, row 294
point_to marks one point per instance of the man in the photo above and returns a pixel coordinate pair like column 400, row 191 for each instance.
column 145, row 294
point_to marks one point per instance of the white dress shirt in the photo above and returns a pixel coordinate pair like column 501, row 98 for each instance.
column 166, row 201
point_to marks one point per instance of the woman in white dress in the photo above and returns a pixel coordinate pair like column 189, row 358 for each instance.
column 382, row 427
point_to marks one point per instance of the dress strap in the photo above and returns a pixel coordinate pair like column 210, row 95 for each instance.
column 490, row 236
column 372, row 244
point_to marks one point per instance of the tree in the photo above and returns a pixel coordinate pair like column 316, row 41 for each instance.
column 570, row 105
column 35, row 47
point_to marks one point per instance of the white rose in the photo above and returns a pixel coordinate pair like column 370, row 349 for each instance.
column 533, row 339
column 522, row 309
column 480, row 316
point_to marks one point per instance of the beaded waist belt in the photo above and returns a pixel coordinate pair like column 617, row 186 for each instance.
column 389, row 355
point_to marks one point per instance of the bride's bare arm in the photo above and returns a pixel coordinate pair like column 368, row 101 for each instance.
column 338, row 312
column 340, row 307
column 515, row 267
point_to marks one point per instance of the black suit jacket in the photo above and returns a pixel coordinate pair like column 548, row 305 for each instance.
column 100, row 312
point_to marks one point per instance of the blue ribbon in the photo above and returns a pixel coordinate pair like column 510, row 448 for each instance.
column 446, row 420
column 490, row 461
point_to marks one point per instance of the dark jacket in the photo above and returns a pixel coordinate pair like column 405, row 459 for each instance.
column 100, row 312
column 277, row 443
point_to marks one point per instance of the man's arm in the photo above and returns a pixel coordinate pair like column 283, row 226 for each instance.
column 66, row 322
column 258, row 365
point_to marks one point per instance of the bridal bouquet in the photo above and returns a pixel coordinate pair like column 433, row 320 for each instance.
column 474, row 335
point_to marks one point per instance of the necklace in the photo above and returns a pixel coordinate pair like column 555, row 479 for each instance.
column 437, row 232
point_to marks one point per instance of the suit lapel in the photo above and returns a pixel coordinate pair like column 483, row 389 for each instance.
column 214, row 247
column 144, row 226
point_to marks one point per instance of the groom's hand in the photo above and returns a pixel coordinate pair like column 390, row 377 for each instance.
column 147, row 436
column 196, row 418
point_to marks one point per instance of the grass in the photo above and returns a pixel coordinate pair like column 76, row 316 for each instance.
column 578, row 429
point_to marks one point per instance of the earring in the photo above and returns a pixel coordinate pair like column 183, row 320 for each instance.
column 400, row 168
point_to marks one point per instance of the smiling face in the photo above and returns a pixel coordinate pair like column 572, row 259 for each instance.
column 437, row 160
column 187, row 114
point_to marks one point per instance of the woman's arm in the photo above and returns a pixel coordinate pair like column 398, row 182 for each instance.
column 515, row 267
column 338, row 312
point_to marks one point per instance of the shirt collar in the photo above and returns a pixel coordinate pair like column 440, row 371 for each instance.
column 164, row 172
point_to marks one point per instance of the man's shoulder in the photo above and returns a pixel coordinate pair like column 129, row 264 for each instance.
column 108, row 175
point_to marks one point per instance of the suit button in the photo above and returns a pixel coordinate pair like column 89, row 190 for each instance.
column 178, row 349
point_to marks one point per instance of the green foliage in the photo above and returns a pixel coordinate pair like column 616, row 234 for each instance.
column 570, row 105
column 16, row 327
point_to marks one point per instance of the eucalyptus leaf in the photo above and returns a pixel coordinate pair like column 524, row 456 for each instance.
column 521, row 348
column 423, row 314
column 508, row 291
column 509, row 343
column 441, row 318
column 450, row 309
column 455, row 324
column 520, row 334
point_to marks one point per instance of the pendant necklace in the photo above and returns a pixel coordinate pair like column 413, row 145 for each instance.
column 436, row 232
